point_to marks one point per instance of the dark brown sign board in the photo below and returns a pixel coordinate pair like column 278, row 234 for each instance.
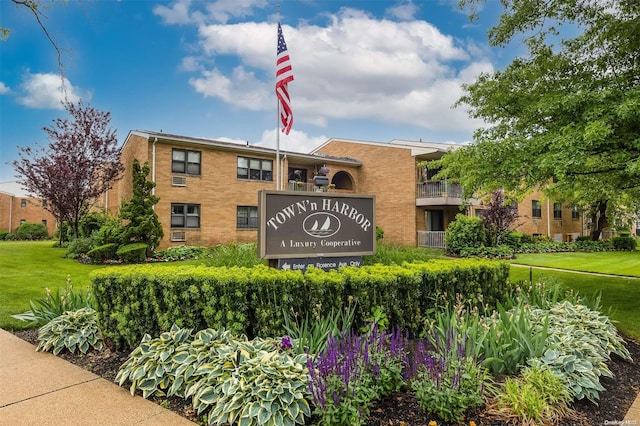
column 322, row 224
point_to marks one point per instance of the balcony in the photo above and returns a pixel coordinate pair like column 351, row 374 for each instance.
column 438, row 193
column 307, row 187
column 431, row 239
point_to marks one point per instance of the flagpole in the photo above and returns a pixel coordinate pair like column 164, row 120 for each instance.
column 278, row 183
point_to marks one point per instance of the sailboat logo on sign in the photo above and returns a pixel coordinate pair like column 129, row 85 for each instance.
column 321, row 225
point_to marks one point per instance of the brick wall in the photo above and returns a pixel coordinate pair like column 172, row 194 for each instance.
column 389, row 173
column 12, row 213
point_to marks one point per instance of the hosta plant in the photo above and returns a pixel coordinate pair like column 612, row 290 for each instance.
column 229, row 378
column 580, row 341
column 248, row 385
column 71, row 330
column 151, row 367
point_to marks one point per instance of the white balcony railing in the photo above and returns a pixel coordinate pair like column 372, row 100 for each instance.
column 431, row 239
column 438, row 188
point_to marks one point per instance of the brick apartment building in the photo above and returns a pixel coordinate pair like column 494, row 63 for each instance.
column 209, row 189
column 18, row 209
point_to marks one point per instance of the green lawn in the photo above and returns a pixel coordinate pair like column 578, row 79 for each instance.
column 27, row 268
column 616, row 262
column 621, row 295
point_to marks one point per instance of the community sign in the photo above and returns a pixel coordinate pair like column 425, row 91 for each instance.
column 295, row 225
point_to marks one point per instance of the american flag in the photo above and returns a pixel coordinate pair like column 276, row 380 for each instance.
column 284, row 74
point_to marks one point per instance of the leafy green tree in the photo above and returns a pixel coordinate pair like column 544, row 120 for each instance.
column 141, row 221
column 564, row 117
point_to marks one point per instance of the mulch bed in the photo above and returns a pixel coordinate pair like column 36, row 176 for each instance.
column 402, row 409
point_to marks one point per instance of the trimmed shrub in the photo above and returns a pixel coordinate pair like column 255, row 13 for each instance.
column 624, row 243
column 10, row 236
column 104, row 252
column 465, row 232
column 3, row 234
column 133, row 253
column 134, row 300
column 590, row 245
column 32, row 231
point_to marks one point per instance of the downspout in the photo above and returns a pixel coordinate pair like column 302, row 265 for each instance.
column 10, row 213
column 153, row 167
column 548, row 220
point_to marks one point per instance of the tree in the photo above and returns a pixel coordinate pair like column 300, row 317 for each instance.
column 79, row 165
column 498, row 218
column 143, row 225
column 564, row 118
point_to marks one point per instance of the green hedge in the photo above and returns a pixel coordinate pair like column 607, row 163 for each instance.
column 138, row 299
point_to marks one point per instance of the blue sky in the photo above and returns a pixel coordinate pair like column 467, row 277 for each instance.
column 366, row 70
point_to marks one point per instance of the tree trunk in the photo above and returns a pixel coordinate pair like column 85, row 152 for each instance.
column 598, row 219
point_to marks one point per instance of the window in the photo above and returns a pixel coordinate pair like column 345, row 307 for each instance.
column 185, row 215
column 255, row 169
column 23, row 202
column 247, row 217
column 44, row 222
column 557, row 210
column 536, row 209
column 183, row 161
column 575, row 214
column 23, row 221
column 44, row 204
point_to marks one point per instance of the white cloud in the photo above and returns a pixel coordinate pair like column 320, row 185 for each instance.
column 48, row 91
column 4, row 89
column 220, row 11
column 178, row 13
column 355, row 67
column 295, row 141
column 404, row 12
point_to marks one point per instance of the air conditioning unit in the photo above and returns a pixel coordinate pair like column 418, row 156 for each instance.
column 178, row 236
column 178, row 181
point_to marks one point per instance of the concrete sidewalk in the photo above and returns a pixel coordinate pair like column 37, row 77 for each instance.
column 41, row 389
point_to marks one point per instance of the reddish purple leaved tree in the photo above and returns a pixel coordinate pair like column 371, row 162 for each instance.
column 80, row 164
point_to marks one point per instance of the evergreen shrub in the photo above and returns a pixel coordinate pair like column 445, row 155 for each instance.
column 133, row 253
column 104, row 252
column 465, row 232
column 138, row 299
column 32, row 231
column 625, row 243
